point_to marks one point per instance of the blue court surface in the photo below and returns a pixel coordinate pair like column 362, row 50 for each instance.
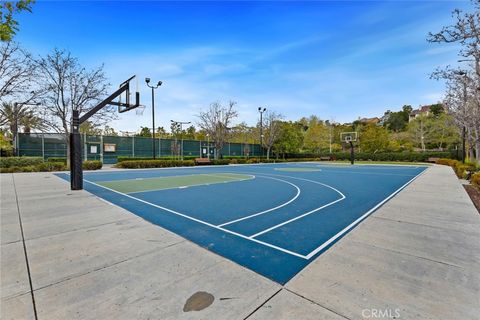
column 271, row 218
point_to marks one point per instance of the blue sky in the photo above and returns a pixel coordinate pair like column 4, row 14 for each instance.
column 337, row 60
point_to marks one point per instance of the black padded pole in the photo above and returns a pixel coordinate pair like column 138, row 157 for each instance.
column 352, row 153
column 76, row 171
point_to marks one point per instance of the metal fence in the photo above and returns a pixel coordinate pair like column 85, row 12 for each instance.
column 108, row 148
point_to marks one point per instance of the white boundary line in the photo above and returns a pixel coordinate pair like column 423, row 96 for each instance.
column 200, row 221
column 271, row 209
column 366, row 214
column 309, row 255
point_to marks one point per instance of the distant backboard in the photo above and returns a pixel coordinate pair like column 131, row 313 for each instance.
column 348, row 137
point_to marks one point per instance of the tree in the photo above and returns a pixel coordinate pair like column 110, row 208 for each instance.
column 462, row 99
column 407, row 109
column 68, row 86
column 13, row 116
column 397, row 121
column 190, row 133
column 17, row 75
column 90, row 128
column 161, row 132
column 144, row 132
column 441, row 131
column 291, row 138
column 317, row 137
column 8, row 24
column 216, row 122
column 272, row 130
column 374, row 139
column 436, row 109
column 109, row 131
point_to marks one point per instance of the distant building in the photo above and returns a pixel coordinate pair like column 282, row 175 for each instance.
column 374, row 120
column 385, row 117
column 422, row 111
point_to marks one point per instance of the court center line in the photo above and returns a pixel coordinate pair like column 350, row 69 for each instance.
column 201, row 221
column 268, row 210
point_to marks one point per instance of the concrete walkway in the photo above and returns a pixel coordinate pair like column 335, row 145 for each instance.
column 417, row 257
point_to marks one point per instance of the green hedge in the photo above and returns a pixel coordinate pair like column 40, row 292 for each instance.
column 382, row 156
column 462, row 170
column 51, row 166
column 220, row 161
column 138, row 164
column 392, row 156
column 8, row 162
column 42, row 167
column 122, row 159
column 92, row 165
column 36, row 164
column 57, row 159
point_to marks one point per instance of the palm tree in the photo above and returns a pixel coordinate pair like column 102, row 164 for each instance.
column 14, row 115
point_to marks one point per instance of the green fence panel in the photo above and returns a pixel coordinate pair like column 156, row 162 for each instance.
column 191, row 148
column 108, row 148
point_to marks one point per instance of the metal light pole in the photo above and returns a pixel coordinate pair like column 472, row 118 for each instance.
column 261, row 111
column 208, row 146
column 181, row 123
column 16, row 110
column 464, row 74
column 159, row 83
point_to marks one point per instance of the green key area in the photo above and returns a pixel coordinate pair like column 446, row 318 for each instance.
column 161, row 183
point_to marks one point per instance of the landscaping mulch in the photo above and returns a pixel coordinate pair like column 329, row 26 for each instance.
column 474, row 194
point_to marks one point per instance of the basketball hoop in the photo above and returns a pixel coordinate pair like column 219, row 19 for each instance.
column 139, row 110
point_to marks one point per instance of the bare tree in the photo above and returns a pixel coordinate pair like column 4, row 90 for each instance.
column 17, row 74
column 462, row 101
column 272, row 131
column 216, row 122
column 462, row 97
column 68, row 86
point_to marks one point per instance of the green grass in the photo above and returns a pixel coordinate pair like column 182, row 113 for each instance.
column 162, row 183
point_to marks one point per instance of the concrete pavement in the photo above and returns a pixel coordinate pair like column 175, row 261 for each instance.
column 417, row 257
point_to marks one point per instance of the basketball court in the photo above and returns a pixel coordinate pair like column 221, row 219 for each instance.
column 273, row 218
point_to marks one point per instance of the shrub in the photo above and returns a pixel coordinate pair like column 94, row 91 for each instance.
column 138, row 164
column 220, row 162
column 446, row 162
column 121, row 159
column 51, row 166
column 42, row 167
column 58, row 159
column 382, row 156
column 462, row 170
column 7, row 162
column 92, row 165
column 475, row 180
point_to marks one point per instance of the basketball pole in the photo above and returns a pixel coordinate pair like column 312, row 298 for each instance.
column 76, row 170
column 352, row 153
